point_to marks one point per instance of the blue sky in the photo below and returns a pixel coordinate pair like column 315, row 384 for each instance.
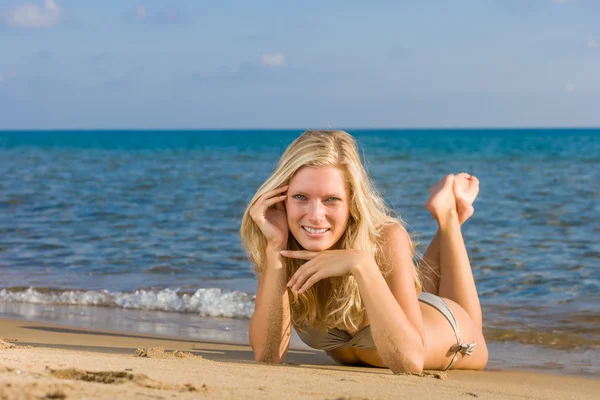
column 298, row 64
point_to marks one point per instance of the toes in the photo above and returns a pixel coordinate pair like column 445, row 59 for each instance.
column 447, row 180
column 471, row 180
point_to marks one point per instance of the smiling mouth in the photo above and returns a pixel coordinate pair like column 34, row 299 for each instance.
column 314, row 231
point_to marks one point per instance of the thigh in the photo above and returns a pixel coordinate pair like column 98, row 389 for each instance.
column 440, row 337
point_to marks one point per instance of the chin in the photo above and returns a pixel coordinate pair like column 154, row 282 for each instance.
column 315, row 245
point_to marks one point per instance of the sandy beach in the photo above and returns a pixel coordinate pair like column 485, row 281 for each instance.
column 44, row 361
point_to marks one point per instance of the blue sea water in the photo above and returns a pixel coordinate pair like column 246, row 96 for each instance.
column 145, row 223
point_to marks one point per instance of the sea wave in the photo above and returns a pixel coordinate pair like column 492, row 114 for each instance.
column 211, row 302
column 558, row 340
column 524, row 328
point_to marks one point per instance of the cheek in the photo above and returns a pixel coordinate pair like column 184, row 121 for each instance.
column 292, row 212
column 340, row 216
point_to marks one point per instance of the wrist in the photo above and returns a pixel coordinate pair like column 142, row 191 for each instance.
column 273, row 258
column 273, row 253
column 274, row 248
column 364, row 267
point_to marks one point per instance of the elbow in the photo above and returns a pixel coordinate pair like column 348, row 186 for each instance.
column 407, row 362
column 267, row 357
column 407, row 366
column 265, row 352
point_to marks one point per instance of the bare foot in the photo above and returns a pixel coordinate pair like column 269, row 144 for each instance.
column 442, row 203
column 466, row 188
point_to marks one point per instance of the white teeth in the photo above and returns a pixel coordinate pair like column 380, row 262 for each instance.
column 311, row 230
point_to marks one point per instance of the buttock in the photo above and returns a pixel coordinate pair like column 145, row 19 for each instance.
column 441, row 340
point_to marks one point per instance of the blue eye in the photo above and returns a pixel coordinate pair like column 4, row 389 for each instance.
column 299, row 197
column 332, row 199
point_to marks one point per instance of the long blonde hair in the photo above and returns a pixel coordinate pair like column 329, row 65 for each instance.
column 333, row 302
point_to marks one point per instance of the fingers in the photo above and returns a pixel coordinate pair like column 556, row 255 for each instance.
column 267, row 200
column 297, row 275
column 303, row 275
column 316, row 277
column 274, row 192
column 272, row 197
column 300, row 254
column 273, row 200
column 300, row 275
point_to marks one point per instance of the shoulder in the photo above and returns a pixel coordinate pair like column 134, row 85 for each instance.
column 394, row 237
column 396, row 249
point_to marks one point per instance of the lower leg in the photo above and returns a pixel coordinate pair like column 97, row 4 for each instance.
column 430, row 266
column 455, row 280
column 465, row 188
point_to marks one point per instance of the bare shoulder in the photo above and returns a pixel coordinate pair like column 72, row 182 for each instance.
column 396, row 252
column 394, row 238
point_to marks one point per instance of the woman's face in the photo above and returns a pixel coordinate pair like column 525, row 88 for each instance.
column 317, row 207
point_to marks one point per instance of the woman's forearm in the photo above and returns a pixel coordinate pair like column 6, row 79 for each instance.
column 270, row 326
column 398, row 342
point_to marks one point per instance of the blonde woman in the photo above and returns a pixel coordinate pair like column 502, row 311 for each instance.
column 334, row 262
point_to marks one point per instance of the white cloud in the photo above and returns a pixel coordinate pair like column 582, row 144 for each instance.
column 570, row 88
column 140, row 13
column 273, row 59
column 166, row 15
column 591, row 42
column 35, row 16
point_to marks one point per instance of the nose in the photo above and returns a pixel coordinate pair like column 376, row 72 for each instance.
column 316, row 212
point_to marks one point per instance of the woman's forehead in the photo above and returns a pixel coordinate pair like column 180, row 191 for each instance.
column 319, row 180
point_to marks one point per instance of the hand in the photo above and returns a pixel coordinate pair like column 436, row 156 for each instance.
column 324, row 264
column 269, row 214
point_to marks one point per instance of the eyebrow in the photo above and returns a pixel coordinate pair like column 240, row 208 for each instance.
column 306, row 194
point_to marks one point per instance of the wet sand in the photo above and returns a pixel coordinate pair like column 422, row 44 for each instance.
column 45, row 361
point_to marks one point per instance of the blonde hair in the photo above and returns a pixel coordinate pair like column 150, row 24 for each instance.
column 333, row 302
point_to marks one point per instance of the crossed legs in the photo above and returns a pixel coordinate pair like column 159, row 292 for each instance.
column 445, row 267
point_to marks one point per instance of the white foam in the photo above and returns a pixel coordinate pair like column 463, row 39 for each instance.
column 213, row 302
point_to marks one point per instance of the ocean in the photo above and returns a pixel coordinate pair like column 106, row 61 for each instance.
column 137, row 231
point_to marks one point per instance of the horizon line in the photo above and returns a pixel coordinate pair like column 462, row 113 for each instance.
column 3, row 130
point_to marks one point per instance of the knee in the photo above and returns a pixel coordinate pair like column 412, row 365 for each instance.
column 480, row 355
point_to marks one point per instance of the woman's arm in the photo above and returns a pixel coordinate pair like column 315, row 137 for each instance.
column 392, row 305
column 270, row 326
